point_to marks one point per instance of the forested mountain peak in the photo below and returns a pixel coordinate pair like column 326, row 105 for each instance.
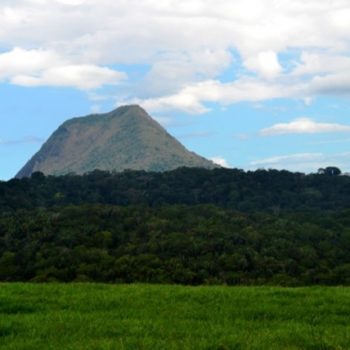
column 125, row 138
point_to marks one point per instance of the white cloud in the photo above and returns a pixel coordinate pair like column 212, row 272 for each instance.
column 340, row 19
column 20, row 61
column 192, row 98
column 312, row 63
column 71, row 2
column 328, row 73
column 291, row 158
column 220, row 161
column 44, row 67
column 265, row 63
column 184, row 101
column 337, row 84
column 303, row 126
column 83, row 77
column 304, row 162
column 174, row 70
column 186, row 44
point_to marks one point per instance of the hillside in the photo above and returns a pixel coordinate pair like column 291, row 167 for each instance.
column 126, row 138
column 188, row 226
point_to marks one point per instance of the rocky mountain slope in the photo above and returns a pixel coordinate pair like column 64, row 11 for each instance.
column 126, row 138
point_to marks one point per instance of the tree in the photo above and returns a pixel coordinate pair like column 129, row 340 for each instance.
column 330, row 170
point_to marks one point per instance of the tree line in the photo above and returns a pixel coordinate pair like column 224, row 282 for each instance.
column 270, row 191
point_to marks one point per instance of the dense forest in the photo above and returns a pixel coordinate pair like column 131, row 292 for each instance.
column 262, row 190
column 189, row 226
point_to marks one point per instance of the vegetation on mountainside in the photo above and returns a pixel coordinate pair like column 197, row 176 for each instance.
column 126, row 138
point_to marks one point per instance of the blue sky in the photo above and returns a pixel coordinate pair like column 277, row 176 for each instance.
column 247, row 83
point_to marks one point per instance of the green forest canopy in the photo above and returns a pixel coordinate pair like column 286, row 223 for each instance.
column 189, row 226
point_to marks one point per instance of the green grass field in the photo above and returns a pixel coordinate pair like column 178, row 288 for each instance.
column 96, row 316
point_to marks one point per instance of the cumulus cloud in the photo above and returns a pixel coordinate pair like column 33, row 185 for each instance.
column 174, row 70
column 303, row 126
column 71, row 2
column 83, row 77
column 321, row 63
column 220, row 161
column 44, row 67
column 20, row 61
column 266, row 63
column 186, row 44
column 192, row 98
column 337, row 84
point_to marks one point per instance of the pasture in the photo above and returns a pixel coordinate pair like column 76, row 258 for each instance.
column 99, row 316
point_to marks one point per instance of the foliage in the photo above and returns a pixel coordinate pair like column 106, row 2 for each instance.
column 194, row 245
column 330, row 171
column 270, row 191
column 188, row 226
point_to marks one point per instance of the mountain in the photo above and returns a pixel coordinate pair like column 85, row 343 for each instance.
column 126, row 138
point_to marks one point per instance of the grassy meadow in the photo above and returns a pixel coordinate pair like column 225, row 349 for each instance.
column 98, row 316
